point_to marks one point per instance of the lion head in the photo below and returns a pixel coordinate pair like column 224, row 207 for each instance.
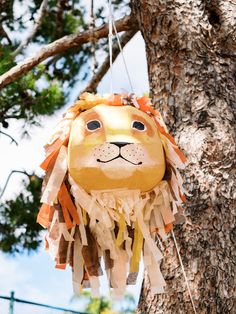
column 115, row 147
column 112, row 183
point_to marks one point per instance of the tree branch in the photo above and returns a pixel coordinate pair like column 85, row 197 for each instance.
column 3, row 33
column 8, row 178
column 61, row 45
column 62, row 5
column 92, row 85
column 38, row 22
column 12, row 139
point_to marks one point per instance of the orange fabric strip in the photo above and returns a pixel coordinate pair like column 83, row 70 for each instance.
column 182, row 196
column 66, row 216
column 46, row 244
column 147, row 108
column 171, row 139
column 180, row 154
column 143, row 100
column 62, row 201
column 115, row 100
column 54, row 145
column 60, row 266
column 45, row 213
column 71, row 207
column 168, row 227
column 67, row 206
column 50, row 160
column 163, row 131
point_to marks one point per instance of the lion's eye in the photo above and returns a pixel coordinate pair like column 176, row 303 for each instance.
column 137, row 125
column 93, row 125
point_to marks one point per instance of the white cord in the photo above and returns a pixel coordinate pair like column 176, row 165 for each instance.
column 110, row 37
column 184, row 273
column 123, row 57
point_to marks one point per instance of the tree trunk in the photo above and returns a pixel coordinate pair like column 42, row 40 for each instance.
column 191, row 57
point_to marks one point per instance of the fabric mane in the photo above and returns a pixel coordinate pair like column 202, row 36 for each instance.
column 70, row 213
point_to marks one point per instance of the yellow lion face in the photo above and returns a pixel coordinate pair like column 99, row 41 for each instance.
column 115, row 147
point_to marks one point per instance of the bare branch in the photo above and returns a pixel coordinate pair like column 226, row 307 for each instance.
column 61, row 45
column 38, row 22
column 61, row 6
column 12, row 139
column 92, row 86
column 8, row 178
column 3, row 33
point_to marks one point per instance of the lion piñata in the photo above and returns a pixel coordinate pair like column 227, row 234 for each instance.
column 111, row 187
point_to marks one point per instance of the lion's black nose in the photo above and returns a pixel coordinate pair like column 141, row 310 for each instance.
column 120, row 144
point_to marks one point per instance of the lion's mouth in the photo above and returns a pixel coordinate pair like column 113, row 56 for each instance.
column 120, row 156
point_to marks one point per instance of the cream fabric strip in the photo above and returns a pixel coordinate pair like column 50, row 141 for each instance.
column 157, row 281
column 53, row 244
column 173, row 156
column 165, row 208
column 175, row 187
column 146, row 234
column 78, row 272
column 72, row 234
column 95, row 285
column 66, row 234
column 118, row 273
column 75, row 193
column 61, row 130
column 58, row 173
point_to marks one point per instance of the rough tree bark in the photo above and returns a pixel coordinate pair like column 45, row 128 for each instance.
column 191, row 53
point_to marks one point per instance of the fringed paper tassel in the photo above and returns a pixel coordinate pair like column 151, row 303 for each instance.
column 118, row 237
column 119, row 225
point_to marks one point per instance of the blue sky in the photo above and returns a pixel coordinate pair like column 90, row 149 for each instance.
column 33, row 277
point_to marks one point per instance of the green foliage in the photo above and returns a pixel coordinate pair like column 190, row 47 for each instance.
column 26, row 99
column 46, row 88
column 6, row 62
column 18, row 228
column 104, row 305
column 41, row 91
column 98, row 305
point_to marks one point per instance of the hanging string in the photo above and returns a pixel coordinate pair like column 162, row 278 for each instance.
column 123, row 57
column 183, row 270
column 110, row 37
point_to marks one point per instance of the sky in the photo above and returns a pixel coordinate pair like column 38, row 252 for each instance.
column 33, row 277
